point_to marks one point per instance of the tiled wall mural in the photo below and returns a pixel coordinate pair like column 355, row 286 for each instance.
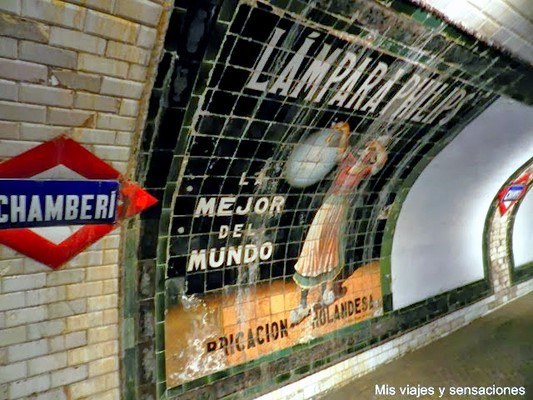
column 288, row 172
column 287, row 130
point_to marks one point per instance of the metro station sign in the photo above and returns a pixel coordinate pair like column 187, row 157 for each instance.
column 513, row 192
column 35, row 203
column 58, row 198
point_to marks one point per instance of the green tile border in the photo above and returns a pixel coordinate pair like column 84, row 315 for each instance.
column 522, row 273
column 130, row 302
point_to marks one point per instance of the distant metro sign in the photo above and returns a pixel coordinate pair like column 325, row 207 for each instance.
column 58, row 198
column 512, row 193
column 38, row 203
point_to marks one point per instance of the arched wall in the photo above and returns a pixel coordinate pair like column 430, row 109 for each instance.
column 438, row 241
column 507, row 281
column 522, row 233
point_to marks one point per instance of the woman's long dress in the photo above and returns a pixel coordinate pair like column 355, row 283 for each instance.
column 322, row 255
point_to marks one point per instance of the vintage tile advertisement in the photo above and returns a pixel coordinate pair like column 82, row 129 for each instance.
column 288, row 173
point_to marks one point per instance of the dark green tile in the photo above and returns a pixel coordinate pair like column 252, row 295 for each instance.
column 283, row 377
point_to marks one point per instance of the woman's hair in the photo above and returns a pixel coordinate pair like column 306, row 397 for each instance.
column 343, row 127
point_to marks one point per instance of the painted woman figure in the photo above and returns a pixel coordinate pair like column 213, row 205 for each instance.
column 322, row 255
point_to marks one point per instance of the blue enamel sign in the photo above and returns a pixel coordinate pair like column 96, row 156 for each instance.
column 26, row 203
column 514, row 192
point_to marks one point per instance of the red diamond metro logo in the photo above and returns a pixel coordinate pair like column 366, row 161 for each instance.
column 509, row 195
column 63, row 158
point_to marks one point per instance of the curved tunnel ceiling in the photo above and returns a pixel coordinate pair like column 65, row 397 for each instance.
column 437, row 243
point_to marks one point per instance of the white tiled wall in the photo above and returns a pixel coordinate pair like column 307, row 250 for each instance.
column 84, row 68
column 507, row 23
